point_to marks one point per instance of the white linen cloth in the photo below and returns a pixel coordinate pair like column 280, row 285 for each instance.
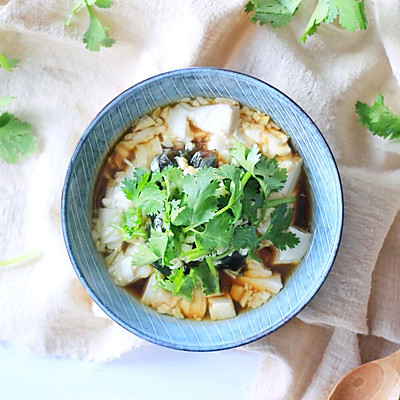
column 61, row 86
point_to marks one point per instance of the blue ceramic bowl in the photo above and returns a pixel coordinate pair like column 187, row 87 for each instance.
column 108, row 127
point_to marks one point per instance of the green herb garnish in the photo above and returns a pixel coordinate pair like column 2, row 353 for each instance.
column 8, row 63
column 30, row 256
column 97, row 34
column 379, row 119
column 16, row 138
column 351, row 14
column 190, row 222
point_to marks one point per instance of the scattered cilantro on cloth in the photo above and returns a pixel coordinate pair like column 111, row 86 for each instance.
column 351, row 14
column 16, row 138
column 379, row 119
column 5, row 101
column 97, row 34
column 8, row 63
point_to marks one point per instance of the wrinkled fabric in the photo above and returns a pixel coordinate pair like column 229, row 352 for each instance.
column 60, row 86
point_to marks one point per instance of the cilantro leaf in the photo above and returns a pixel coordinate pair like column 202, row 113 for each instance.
column 269, row 175
column 158, row 243
column 253, row 200
column 200, row 199
column 133, row 187
column 5, row 101
column 245, row 157
column 379, row 119
column 8, row 63
column 131, row 222
column 178, row 283
column 265, row 170
column 275, row 12
column 16, row 138
column 216, row 235
column 97, row 34
column 173, row 180
column 245, row 237
column 104, row 3
column 351, row 14
column 175, row 209
column 277, row 230
column 151, row 199
column 143, row 255
column 174, row 246
column 208, row 276
column 131, row 218
column 319, row 15
column 229, row 171
column 147, row 196
column 233, row 173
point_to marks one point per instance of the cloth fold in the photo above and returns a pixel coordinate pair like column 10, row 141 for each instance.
column 60, row 86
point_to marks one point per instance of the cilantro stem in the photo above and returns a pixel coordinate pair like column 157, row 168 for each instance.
column 76, row 8
column 224, row 254
column 138, row 233
column 193, row 254
column 275, row 203
column 243, row 182
column 214, row 273
column 283, row 200
column 191, row 228
column 189, row 253
column 245, row 178
column 23, row 258
column 196, row 253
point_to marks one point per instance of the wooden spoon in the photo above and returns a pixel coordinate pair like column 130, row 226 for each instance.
column 376, row 380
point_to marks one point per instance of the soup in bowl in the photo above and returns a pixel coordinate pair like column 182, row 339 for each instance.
column 202, row 209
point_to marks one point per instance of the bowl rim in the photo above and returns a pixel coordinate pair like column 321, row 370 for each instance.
column 249, row 339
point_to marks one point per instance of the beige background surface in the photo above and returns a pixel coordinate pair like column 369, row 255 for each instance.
column 61, row 86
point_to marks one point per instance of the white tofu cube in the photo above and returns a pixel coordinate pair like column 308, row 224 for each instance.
column 256, row 269
column 221, row 307
column 294, row 255
column 217, row 119
column 155, row 296
column 293, row 168
column 178, row 124
column 272, row 284
column 195, row 308
column 146, row 152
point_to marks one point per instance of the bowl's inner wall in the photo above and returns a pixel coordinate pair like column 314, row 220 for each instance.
column 107, row 129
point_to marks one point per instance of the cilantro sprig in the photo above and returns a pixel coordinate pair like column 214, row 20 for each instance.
column 8, row 63
column 351, row 14
column 379, row 119
column 188, row 223
column 24, row 258
column 16, row 137
column 97, row 34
